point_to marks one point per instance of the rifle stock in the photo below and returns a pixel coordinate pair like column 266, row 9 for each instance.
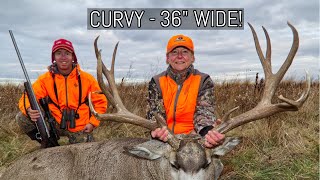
column 40, row 123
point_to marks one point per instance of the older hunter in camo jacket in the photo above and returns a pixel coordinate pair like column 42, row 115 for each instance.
column 183, row 95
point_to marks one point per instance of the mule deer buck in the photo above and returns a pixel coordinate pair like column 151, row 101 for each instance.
column 183, row 157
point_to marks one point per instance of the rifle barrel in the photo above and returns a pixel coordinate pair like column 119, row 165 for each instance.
column 32, row 97
column 19, row 57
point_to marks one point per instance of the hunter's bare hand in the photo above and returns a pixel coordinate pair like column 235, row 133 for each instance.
column 34, row 114
column 217, row 122
column 213, row 139
column 160, row 133
column 88, row 128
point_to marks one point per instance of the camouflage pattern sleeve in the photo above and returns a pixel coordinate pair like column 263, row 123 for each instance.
column 155, row 101
column 204, row 113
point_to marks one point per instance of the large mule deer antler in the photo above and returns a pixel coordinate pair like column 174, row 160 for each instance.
column 111, row 92
column 265, row 108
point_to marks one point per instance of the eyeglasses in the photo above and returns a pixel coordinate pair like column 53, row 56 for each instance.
column 183, row 52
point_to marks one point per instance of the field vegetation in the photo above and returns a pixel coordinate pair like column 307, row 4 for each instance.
column 284, row 146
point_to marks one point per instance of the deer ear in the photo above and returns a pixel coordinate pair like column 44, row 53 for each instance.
column 151, row 150
column 229, row 144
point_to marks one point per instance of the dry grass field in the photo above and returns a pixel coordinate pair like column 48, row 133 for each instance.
column 284, row 146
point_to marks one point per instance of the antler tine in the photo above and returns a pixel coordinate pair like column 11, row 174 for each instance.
column 100, row 66
column 113, row 58
column 122, row 115
column 304, row 96
column 112, row 96
column 294, row 48
column 105, row 71
column 265, row 108
column 226, row 116
column 268, row 51
column 266, row 64
column 110, row 73
column 111, row 81
column 225, row 120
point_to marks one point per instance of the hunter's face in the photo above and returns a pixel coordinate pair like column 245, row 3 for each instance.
column 64, row 60
column 180, row 58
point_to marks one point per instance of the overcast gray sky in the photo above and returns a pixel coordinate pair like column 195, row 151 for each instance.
column 223, row 54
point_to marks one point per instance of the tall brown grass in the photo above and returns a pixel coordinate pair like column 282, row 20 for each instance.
column 284, row 146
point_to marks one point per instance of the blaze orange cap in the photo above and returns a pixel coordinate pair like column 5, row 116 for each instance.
column 180, row 40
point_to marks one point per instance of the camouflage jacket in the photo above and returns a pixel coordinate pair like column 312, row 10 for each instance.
column 204, row 117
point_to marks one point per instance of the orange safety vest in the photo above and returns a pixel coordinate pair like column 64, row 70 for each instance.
column 180, row 100
column 68, row 96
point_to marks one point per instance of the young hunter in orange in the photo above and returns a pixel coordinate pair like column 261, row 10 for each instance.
column 66, row 88
column 68, row 96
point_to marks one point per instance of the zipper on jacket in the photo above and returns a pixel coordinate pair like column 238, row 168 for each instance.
column 175, row 106
column 66, row 82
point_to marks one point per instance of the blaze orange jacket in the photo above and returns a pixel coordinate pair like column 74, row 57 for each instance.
column 180, row 100
column 68, row 96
